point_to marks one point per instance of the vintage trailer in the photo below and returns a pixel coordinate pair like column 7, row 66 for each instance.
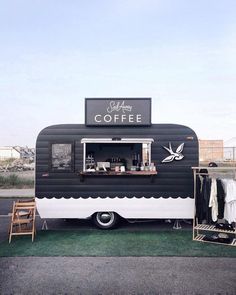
column 117, row 164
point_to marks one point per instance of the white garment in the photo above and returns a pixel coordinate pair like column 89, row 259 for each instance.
column 213, row 203
column 230, row 200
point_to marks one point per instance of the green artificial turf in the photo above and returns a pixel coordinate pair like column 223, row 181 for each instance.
column 113, row 243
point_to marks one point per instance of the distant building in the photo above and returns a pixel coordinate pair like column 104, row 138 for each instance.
column 16, row 152
column 8, row 152
column 211, row 150
column 27, row 153
column 230, row 149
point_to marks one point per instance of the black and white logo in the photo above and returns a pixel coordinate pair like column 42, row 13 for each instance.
column 177, row 155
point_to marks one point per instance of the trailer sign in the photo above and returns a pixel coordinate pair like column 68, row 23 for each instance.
column 118, row 111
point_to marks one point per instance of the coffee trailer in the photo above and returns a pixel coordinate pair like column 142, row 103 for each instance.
column 116, row 164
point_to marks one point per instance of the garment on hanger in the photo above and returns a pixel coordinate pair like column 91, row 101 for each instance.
column 203, row 189
column 199, row 199
column 230, row 199
column 206, row 190
column 220, row 198
column 213, row 202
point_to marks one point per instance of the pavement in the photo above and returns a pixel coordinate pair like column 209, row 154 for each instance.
column 109, row 275
column 113, row 275
column 16, row 193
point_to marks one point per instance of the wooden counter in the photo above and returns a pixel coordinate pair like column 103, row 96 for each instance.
column 113, row 173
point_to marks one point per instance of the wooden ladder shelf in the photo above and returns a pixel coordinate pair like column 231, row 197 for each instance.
column 23, row 219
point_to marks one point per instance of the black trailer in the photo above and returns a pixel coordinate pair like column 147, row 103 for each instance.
column 105, row 170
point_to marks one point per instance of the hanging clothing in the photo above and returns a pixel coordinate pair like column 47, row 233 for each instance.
column 230, row 200
column 220, row 198
column 203, row 189
column 206, row 189
column 198, row 201
column 213, row 203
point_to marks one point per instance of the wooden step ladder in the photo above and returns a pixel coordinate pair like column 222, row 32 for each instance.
column 23, row 219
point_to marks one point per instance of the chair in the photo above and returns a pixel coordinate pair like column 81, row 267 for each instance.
column 23, row 219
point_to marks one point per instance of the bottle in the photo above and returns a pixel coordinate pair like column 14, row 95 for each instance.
column 134, row 159
column 146, row 167
column 152, row 167
column 138, row 159
column 141, row 167
column 138, row 163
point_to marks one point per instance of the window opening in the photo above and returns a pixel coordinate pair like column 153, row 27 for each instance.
column 133, row 154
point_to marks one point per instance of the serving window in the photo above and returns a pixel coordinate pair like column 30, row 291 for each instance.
column 110, row 154
column 62, row 157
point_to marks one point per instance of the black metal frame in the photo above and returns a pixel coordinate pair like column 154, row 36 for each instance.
column 72, row 169
column 120, row 98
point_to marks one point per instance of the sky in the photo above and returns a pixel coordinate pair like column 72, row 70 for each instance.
column 55, row 53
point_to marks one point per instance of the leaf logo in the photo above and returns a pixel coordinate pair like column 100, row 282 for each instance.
column 174, row 155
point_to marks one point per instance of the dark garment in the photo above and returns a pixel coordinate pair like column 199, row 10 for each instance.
column 198, row 200
column 206, row 191
column 203, row 212
column 217, row 239
column 220, row 198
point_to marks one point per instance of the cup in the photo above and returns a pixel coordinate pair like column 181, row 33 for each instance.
column 117, row 169
column 122, row 169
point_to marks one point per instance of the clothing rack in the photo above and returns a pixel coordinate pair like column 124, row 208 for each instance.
column 199, row 229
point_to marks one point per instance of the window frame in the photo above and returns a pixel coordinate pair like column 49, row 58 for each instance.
column 72, row 168
column 147, row 141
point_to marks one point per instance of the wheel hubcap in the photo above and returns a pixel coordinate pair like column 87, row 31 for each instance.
column 105, row 218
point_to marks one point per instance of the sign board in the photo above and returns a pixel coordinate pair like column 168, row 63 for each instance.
column 118, row 111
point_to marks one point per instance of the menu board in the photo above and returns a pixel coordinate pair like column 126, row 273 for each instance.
column 61, row 156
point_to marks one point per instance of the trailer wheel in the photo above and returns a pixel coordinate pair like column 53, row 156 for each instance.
column 105, row 220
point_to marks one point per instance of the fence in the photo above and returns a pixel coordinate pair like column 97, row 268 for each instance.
column 217, row 154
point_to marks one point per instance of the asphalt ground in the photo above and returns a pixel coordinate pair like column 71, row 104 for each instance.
column 111, row 275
